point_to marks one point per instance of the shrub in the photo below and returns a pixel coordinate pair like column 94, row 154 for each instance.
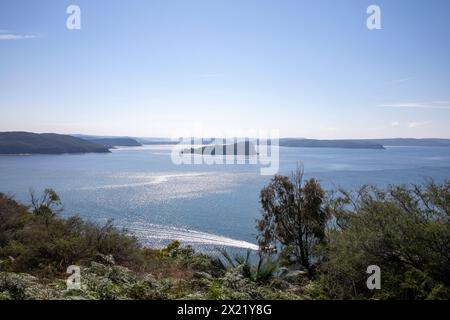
column 40, row 242
column 403, row 230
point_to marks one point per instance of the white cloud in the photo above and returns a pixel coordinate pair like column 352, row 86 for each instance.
column 418, row 124
column 10, row 36
column 395, row 124
column 420, row 105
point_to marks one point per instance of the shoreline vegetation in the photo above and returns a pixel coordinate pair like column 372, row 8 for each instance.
column 313, row 245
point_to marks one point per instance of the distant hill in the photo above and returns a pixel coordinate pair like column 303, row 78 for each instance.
column 45, row 143
column 314, row 143
column 364, row 143
column 116, row 142
column 344, row 143
column 110, row 141
column 408, row 142
column 155, row 141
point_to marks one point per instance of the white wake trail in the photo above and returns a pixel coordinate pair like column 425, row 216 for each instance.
column 158, row 232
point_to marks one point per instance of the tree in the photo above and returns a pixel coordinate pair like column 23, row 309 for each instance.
column 47, row 205
column 293, row 217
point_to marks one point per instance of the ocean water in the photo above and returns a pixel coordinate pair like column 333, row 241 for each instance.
column 202, row 205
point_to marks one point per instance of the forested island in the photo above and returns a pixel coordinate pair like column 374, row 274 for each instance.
column 243, row 148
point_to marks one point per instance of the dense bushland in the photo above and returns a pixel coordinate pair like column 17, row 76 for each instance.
column 33, row 239
column 404, row 230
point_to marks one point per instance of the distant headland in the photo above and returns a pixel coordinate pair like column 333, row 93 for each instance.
column 111, row 142
column 46, row 143
column 343, row 144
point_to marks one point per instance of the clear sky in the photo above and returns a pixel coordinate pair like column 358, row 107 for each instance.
column 149, row 68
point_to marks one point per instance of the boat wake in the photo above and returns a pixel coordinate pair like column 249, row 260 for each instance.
column 157, row 234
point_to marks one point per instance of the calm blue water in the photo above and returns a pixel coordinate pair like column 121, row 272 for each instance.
column 202, row 205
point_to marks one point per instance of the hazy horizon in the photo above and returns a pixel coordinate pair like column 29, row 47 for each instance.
column 216, row 137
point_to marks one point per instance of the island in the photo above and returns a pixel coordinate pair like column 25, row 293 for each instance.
column 243, row 148
column 46, row 143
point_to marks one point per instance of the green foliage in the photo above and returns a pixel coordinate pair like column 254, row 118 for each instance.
column 216, row 291
column 47, row 205
column 265, row 270
column 403, row 230
column 261, row 273
column 40, row 242
column 293, row 216
column 170, row 250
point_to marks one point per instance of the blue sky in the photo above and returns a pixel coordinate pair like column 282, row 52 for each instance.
column 150, row 68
